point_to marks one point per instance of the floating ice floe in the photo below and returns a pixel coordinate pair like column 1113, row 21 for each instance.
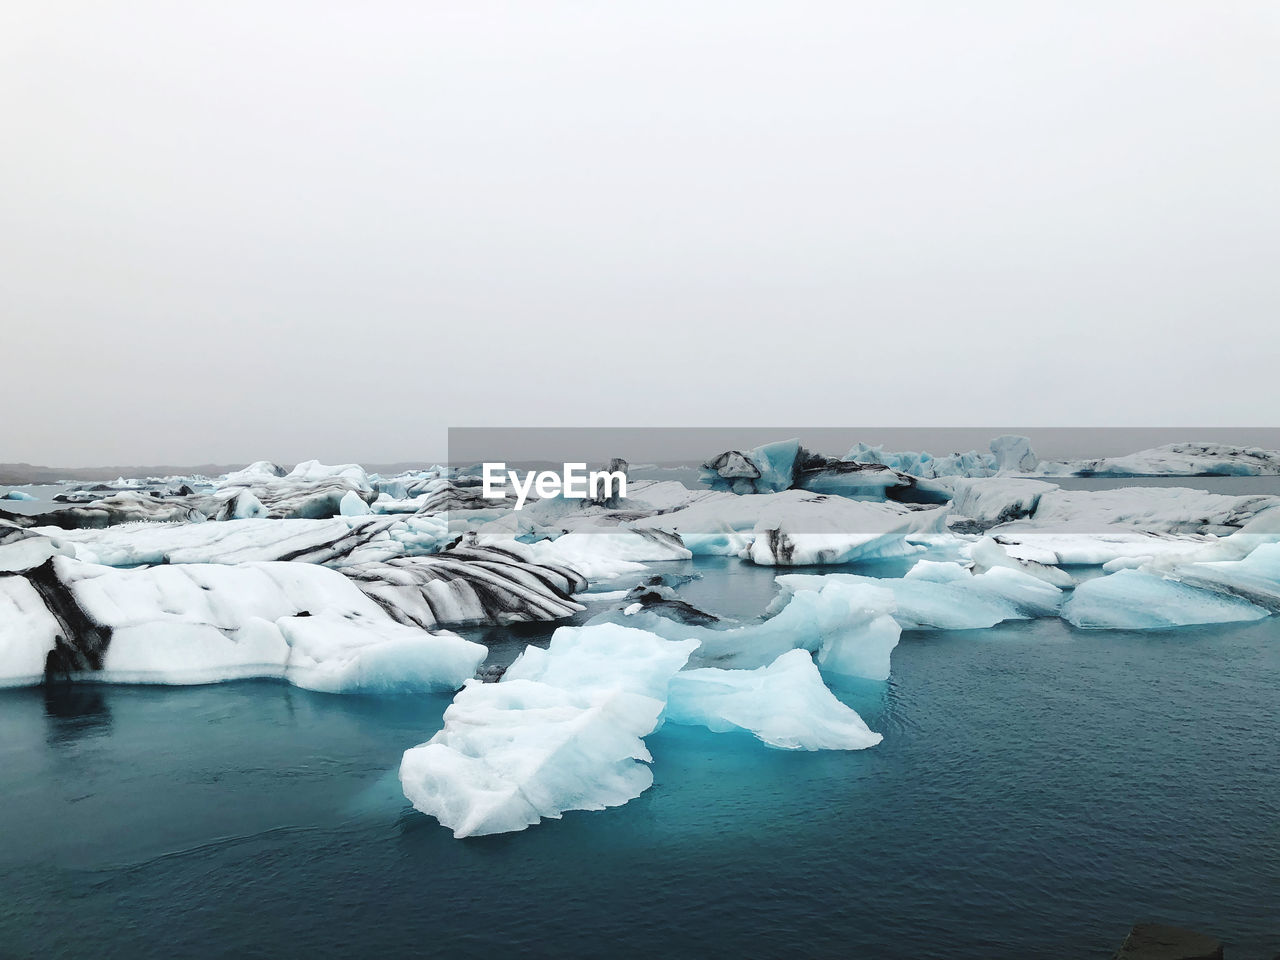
column 1137, row 600
column 785, row 465
column 988, row 553
column 1176, row 459
column 562, row 730
column 850, row 626
column 785, row 704
column 1180, row 510
column 1255, row 577
column 943, row 595
column 28, row 633
column 797, row 527
column 1009, row 454
column 1167, row 592
column 770, row 468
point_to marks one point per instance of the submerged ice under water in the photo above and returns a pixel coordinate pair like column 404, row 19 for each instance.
column 1039, row 788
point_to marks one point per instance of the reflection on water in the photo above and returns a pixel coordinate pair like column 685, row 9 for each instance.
column 75, row 710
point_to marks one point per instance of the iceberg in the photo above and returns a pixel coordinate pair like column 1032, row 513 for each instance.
column 469, row 585
column 1255, row 577
column 1176, row 459
column 202, row 623
column 770, row 468
column 1009, row 454
column 944, row 595
column 28, row 633
column 848, row 625
column 333, row 654
column 784, row 704
column 605, row 555
column 1138, row 600
column 17, row 495
column 352, row 505
column 989, row 501
column 989, row 554
column 562, row 730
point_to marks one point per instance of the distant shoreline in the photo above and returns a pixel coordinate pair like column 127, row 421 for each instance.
column 21, row 474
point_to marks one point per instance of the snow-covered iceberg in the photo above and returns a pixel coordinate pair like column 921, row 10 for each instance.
column 28, row 633
column 202, row 623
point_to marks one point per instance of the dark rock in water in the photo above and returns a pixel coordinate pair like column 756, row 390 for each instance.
column 1154, row 941
column 490, row 672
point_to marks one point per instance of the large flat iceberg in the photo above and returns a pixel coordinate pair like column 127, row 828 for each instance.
column 202, row 623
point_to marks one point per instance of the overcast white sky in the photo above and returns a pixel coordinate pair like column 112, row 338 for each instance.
column 277, row 229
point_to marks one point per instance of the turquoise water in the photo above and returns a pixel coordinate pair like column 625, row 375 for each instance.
column 1039, row 789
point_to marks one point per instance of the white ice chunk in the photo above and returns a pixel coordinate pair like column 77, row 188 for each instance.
column 337, row 655
column 602, row 657
column 28, row 632
column 785, row 704
column 353, row 505
column 1136, row 600
column 513, row 753
column 945, row 596
column 1177, row 459
column 313, row 471
column 987, row 554
column 1255, row 577
column 997, row 499
column 843, row 622
column 201, row 623
column 561, row 731
column 31, row 551
column 179, row 653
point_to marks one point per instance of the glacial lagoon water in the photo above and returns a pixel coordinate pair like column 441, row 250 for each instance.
column 1039, row 789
